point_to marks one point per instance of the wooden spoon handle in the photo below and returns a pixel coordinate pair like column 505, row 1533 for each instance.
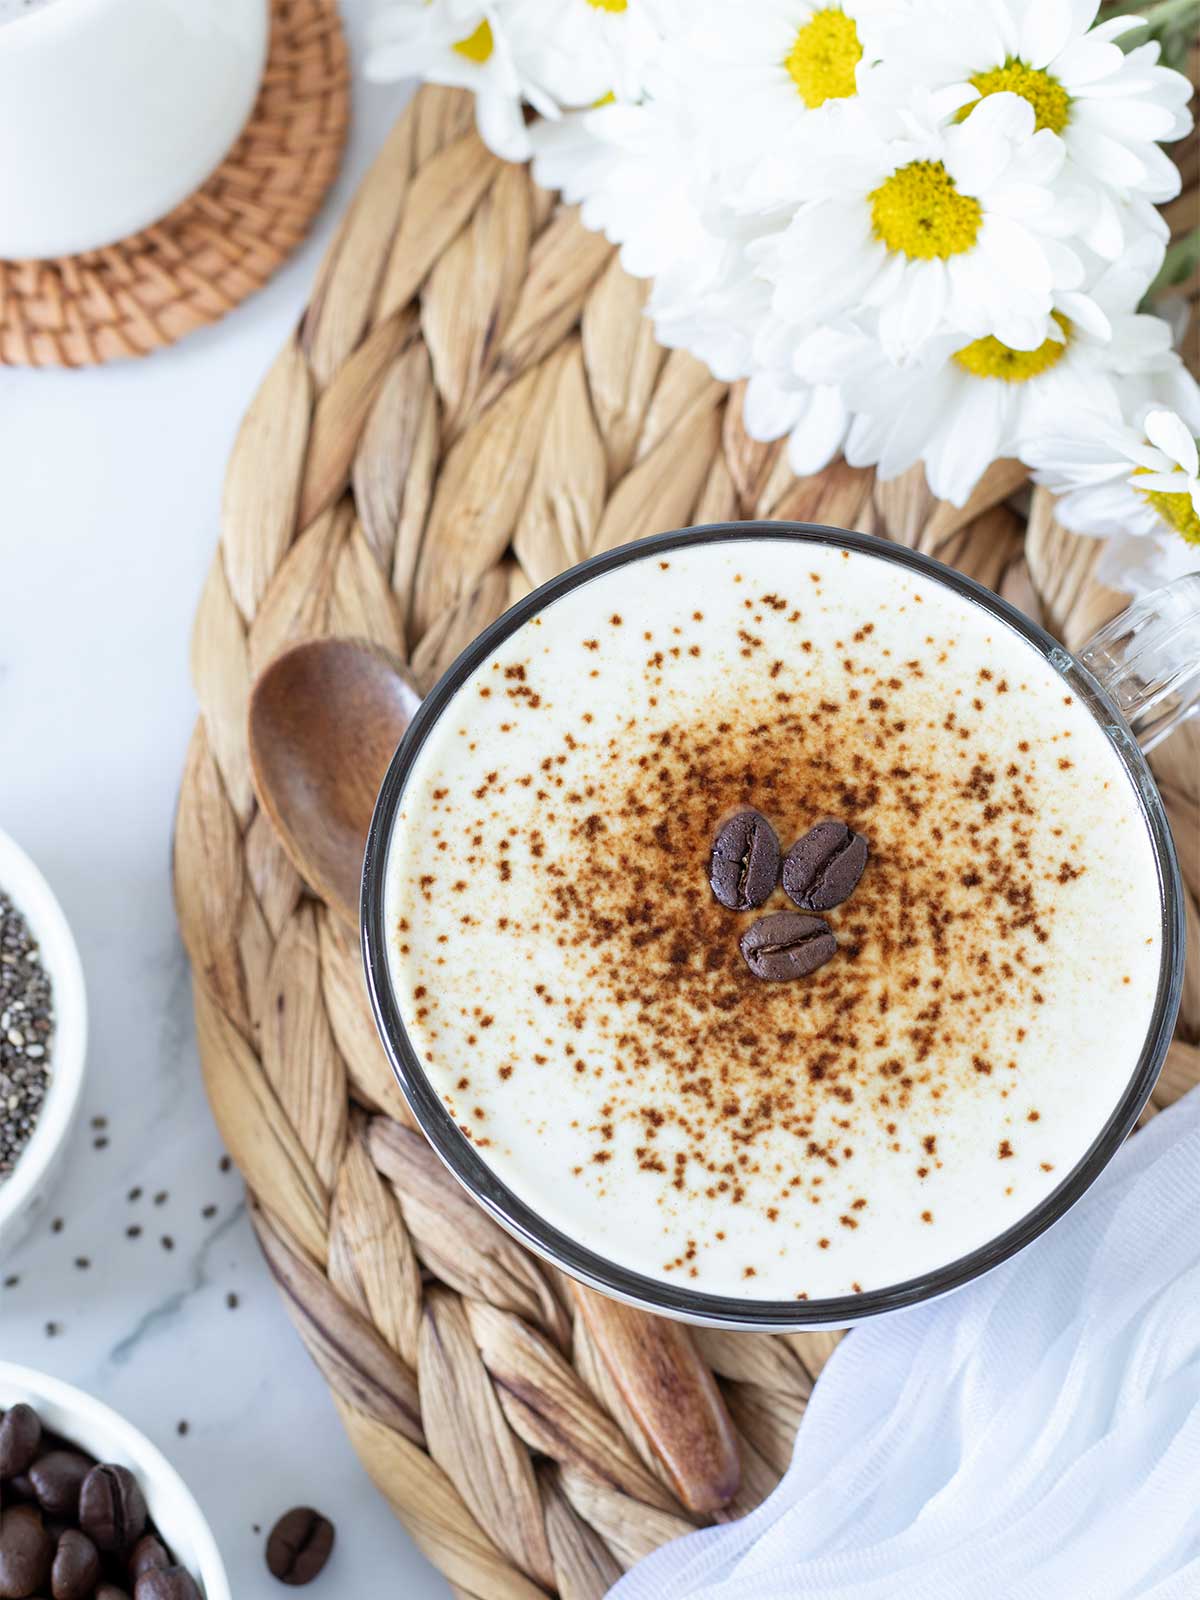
column 671, row 1393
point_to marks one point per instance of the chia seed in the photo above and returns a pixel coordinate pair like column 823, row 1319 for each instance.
column 26, row 1028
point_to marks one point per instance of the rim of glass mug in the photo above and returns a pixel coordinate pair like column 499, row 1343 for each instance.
column 575, row 1258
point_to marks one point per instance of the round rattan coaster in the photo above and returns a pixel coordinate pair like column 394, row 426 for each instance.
column 220, row 245
column 473, row 402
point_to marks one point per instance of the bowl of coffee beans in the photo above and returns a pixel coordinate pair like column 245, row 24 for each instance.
column 89, row 1509
column 43, row 1040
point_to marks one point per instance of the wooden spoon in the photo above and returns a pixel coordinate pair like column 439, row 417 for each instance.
column 325, row 719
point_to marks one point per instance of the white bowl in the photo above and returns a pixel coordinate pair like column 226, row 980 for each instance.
column 102, row 1433
column 28, row 1186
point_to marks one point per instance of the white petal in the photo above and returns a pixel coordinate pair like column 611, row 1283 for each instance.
column 1163, row 482
column 1085, row 61
column 1102, row 230
column 502, row 126
column 769, row 410
column 1046, row 31
column 1166, row 430
column 1112, row 162
column 1083, row 311
column 1129, row 120
column 818, row 435
column 964, row 448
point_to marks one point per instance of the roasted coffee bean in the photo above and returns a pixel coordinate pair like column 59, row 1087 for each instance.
column 745, row 861
column 787, row 945
column 26, row 1550
column 166, row 1583
column 20, row 1437
column 298, row 1546
column 822, row 869
column 112, row 1507
column 19, row 1488
column 148, row 1556
column 57, row 1479
column 76, row 1567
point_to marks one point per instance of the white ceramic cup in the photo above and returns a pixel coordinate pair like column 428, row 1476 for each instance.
column 103, row 1434
column 39, row 1165
column 113, row 111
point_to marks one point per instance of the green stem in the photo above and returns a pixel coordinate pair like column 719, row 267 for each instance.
column 1153, row 13
column 1160, row 17
column 1181, row 260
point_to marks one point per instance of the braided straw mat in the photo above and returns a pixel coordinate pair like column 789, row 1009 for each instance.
column 472, row 402
column 222, row 243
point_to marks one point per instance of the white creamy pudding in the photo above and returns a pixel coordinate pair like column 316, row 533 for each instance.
column 576, row 994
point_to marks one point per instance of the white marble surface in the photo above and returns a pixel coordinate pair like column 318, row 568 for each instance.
column 109, row 494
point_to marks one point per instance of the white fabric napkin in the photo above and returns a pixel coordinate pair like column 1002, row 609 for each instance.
column 1035, row 1436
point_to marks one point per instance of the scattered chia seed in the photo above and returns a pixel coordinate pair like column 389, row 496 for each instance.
column 226, row 1164
column 53, row 1329
column 134, row 1194
column 26, row 1028
column 57, row 1225
column 209, row 1213
column 231, row 1300
column 181, row 1429
column 99, row 1123
column 133, row 1231
column 160, row 1199
column 167, row 1242
column 100, row 1144
column 11, row 1281
column 82, row 1263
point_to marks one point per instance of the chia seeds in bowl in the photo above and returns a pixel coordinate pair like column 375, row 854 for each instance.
column 43, row 1041
column 26, row 1032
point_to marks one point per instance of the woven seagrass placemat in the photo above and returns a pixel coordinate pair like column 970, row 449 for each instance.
column 222, row 243
column 472, row 402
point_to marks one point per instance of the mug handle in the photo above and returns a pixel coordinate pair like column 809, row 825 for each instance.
column 1148, row 660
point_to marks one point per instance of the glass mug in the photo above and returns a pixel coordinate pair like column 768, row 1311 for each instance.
column 1139, row 677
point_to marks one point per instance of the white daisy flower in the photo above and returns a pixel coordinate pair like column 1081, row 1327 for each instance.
column 580, row 52
column 760, row 70
column 1138, row 488
column 1128, row 483
column 937, row 228
column 1110, row 109
column 959, row 407
column 460, row 43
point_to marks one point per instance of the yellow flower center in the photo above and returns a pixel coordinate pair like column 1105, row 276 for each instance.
column 823, row 57
column 609, row 5
column 1050, row 101
column 1176, row 510
column 988, row 358
column 919, row 212
column 477, row 46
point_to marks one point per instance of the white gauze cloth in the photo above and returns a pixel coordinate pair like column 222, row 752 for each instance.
column 1035, row 1436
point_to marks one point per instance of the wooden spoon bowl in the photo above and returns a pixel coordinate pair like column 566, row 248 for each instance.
column 325, row 720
